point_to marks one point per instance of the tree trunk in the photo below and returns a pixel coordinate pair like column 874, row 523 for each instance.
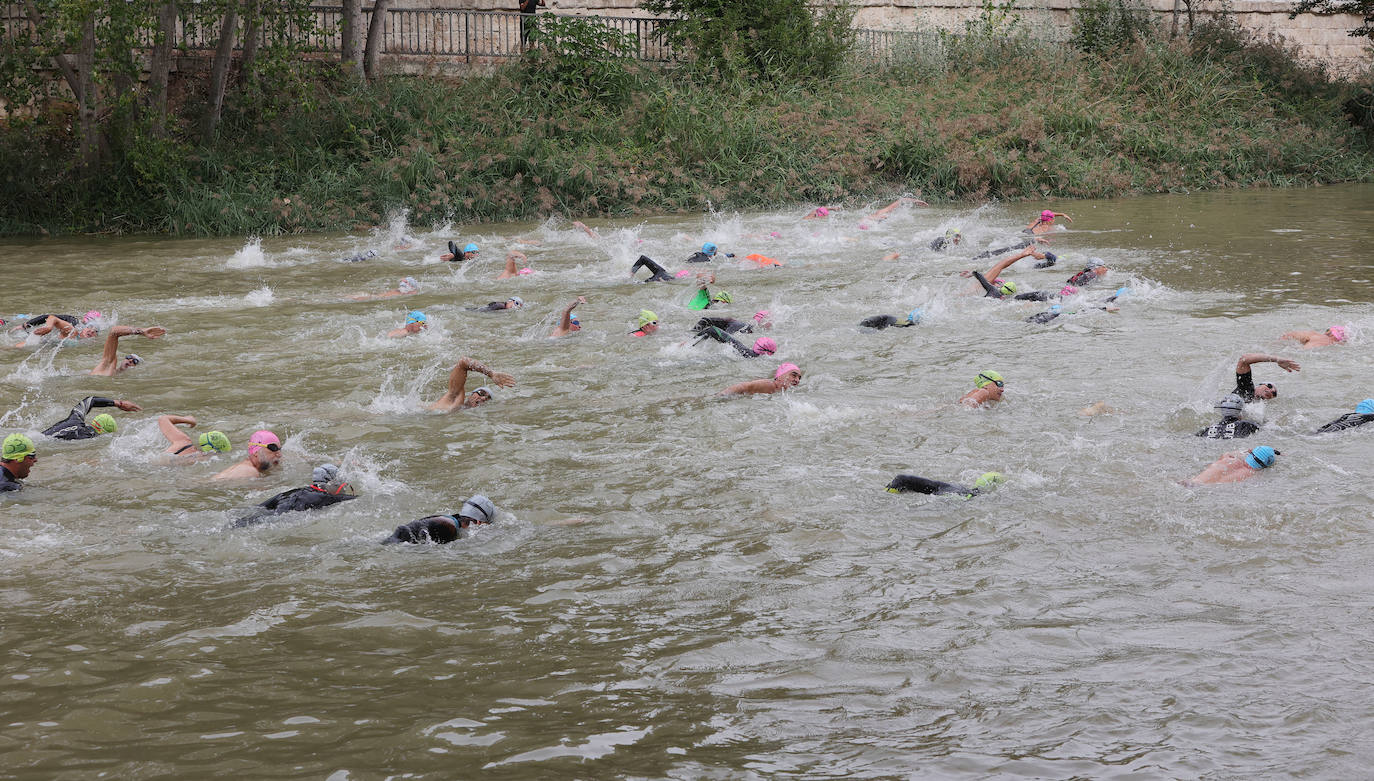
column 87, row 105
column 351, row 50
column 219, row 69
column 159, row 70
column 1173, row 28
column 59, row 60
column 252, row 34
column 375, row 32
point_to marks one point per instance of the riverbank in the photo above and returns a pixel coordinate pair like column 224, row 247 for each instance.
column 1017, row 122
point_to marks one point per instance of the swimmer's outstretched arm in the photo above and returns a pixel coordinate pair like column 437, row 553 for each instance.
column 458, row 379
column 882, row 213
column 110, row 357
column 585, row 229
column 752, row 386
column 1300, row 336
column 63, row 327
column 176, row 438
column 1243, row 365
column 512, row 267
column 1006, row 263
column 566, row 325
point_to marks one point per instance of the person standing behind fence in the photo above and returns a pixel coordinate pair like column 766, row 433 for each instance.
column 527, row 10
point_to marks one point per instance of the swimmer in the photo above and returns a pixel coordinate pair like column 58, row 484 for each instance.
column 727, row 324
column 1010, row 248
column 1333, row 335
column 648, row 324
column 1045, row 222
column 762, row 345
column 582, row 227
column 951, row 239
column 1055, row 310
column 416, row 322
column 326, row 488
column 110, row 362
column 818, row 213
column 408, row 286
column 514, row 302
column 885, row 212
column 707, row 253
column 441, row 529
column 264, row 452
column 1245, row 382
column 660, row 274
column 879, row 322
column 1364, row 413
column 359, row 258
column 995, row 272
column 516, row 265
column 1095, row 270
column 1236, row 466
column 902, row 484
column 1231, row 426
column 569, row 323
column 454, row 255
column 18, row 457
column 457, row 397
column 704, row 298
column 74, row 426
column 987, row 389
column 787, row 376
column 67, row 326
column 179, row 443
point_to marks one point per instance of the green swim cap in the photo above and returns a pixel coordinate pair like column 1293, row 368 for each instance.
column 17, row 446
column 1008, row 288
column 104, row 423
column 989, row 481
column 213, row 441
column 646, row 317
column 988, row 377
column 723, row 297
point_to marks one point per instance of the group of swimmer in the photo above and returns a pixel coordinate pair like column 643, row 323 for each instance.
column 329, row 485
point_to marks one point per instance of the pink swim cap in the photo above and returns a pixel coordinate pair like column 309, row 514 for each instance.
column 89, row 316
column 682, row 273
column 774, row 235
column 785, row 368
column 761, row 315
column 765, row 346
column 1068, row 290
column 524, row 271
column 822, row 211
column 1337, row 332
column 261, row 439
column 1047, row 215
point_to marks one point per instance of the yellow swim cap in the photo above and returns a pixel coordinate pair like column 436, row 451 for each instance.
column 17, row 446
column 104, row 423
column 646, row 317
column 213, row 441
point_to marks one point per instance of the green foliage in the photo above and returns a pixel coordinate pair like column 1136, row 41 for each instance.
column 578, row 59
column 1360, row 8
column 775, row 41
column 1104, row 27
column 990, row 39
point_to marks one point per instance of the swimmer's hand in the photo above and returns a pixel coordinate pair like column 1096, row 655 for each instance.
column 153, row 332
column 502, row 379
column 129, row 406
column 966, row 274
column 1288, row 364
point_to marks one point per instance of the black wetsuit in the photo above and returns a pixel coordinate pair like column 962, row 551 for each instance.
column 1348, row 420
column 660, row 274
column 701, row 257
column 1245, row 386
column 991, row 291
column 494, row 306
column 884, row 321
column 724, row 338
column 1085, row 277
column 34, row 322
column 923, row 485
column 439, row 529
column 75, row 425
column 1229, row 428
column 941, row 243
column 8, row 482
column 311, row 497
column 1003, row 250
column 1043, row 317
column 1050, row 260
column 727, row 324
column 372, row 253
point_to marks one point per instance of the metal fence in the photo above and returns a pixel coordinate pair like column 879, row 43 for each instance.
column 466, row 35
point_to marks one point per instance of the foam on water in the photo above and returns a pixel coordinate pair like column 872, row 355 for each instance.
column 250, row 255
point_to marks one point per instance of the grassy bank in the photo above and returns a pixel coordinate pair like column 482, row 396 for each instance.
column 1000, row 121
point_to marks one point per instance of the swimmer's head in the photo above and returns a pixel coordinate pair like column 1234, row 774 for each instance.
column 19, row 454
column 988, row 378
column 524, row 272
column 1261, row 457
column 1231, row 406
column 409, row 285
column 1068, row 290
column 470, row 249
column 88, row 332
column 1122, row 291
column 1005, row 287
column 90, row 316
column 574, row 322
column 1365, row 407
column 709, row 248
column 954, row 235
column 822, row 211
column 1266, row 390
column 765, row 346
column 480, row 395
column 722, row 297
column 1097, row 266
column 416, row 321
column 130, row 361
column 516, row 300
column 213, row 442
column 914, row 316
column 1336, row 332
column 324, row 473
column 264, row 449
column 477, row 509
column 989, row 480
column 1047, row 216
column 648, row 321
column 761, row 315
column 104, row 423
column 789, row 373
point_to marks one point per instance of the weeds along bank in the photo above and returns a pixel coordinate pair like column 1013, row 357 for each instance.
column 1004, row 119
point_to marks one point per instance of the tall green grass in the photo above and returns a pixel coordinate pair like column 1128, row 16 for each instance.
column 992, row 120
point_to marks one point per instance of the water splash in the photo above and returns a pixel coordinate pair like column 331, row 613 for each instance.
column 250, row 255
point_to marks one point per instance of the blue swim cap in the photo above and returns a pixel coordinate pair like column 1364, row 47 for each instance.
column 416, row 317
column 470, row 248
column 1365, row 407
column 708, row 248
column 1121, row 291
column 1056, row 308
column 1261, row 457
column 914, row 316
column 572, row 319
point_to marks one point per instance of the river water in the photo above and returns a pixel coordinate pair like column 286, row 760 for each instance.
column 743, row 599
